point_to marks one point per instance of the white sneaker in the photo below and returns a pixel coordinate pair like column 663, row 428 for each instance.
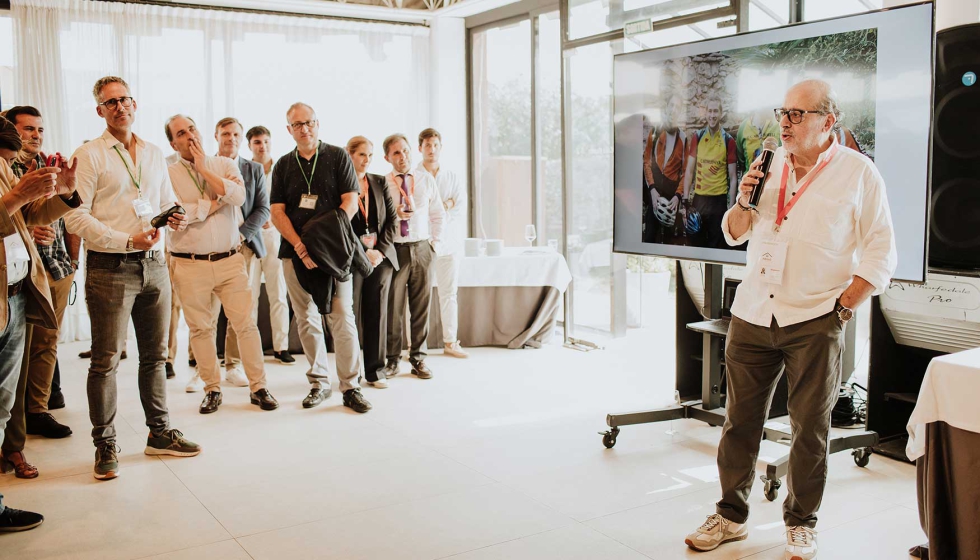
column 379, row 384
column 455, row 350
column 236, row 376
column 801, row 543
column 715, row 532
column 195, row 384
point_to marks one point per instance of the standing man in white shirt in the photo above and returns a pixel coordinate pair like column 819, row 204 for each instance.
column 207, row 263
column 228, row 133
column 453, row 195
column 821, row 244
column 417, row 237
column 260, row 142
column 123, row 182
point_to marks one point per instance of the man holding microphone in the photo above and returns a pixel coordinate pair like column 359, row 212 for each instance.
column 822, row 242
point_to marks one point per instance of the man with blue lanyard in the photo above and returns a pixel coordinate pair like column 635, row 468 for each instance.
column 123, row 182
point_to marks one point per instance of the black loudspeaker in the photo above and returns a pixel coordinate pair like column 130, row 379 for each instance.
column 954, row 240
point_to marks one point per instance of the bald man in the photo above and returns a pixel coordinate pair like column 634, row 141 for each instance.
column 815, row 255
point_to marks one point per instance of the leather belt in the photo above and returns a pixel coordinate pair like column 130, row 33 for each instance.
column 134, row 256
column 15, row 288
column 210, row 257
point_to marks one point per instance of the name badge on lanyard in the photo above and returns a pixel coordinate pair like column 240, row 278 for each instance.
column 772, row 262
column 308, row 202
column 142, row 207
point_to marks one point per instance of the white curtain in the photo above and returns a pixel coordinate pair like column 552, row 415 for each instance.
column 362, row 78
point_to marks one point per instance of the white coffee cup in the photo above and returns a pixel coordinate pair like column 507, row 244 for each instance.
column 495, row 247
column 471, row 247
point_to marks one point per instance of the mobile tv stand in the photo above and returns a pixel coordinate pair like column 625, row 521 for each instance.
column 700, row 364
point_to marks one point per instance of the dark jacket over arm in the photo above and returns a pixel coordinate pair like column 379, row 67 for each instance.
column 336, row 250
column 256, row 208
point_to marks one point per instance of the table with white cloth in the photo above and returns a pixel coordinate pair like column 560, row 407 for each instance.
column 944, row 442
column 509, row 300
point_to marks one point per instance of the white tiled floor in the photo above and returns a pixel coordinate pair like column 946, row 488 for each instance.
column 497, row 457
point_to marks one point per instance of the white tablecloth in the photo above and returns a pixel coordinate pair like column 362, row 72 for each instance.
column 949, row 393
column 518, row 266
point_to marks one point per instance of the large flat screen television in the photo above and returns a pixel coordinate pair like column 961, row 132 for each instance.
column 881, row 66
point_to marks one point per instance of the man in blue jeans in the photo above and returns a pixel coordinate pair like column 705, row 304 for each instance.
column 34, row 200
column 123, row 182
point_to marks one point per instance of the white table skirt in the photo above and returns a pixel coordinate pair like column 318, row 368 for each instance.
column 518, row 266
column 948, row 394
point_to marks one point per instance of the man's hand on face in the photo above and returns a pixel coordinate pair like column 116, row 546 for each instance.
column 197, row 152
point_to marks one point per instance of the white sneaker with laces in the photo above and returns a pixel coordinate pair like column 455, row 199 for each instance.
column 801, row 543
column 236, row 376
column 381, row 383
column 715, row 532
column 455, row 350
column 195, row 384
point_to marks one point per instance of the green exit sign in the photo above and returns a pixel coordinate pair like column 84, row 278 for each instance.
column 638, row 27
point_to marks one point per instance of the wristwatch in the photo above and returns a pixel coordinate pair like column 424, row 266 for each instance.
column 845, row 314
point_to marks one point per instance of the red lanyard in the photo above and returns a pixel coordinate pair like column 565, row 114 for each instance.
column 784, row 208
column 363, row 198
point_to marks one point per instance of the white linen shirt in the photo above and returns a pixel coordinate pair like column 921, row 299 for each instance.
column 840, row 227
column 217, row 233
column 454, row 202
column 429, row 216
column 106, row 218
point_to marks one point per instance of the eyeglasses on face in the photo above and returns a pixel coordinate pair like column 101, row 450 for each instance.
column 795, row 115
column 298, row 126
column 111, row 104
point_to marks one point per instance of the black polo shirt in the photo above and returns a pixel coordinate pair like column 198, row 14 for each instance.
column 334, row 176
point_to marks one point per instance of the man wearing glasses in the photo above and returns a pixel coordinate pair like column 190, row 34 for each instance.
column 311, row 180
column 821, row 244
column 123, row 183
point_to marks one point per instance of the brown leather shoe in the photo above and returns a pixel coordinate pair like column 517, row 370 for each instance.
column 264, row 399
column 420, row 370
column 17, row 464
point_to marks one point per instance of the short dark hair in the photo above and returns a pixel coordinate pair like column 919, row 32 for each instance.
column 392, row 139
column 9, row 137
column 257, row 131
column 429, row 133
column 19, row 110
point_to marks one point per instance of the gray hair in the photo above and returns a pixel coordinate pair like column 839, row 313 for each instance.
column 829, row 103
column 297, row 105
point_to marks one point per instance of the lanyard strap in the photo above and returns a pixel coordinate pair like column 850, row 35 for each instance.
column 784, row 208
column 197, row 184
column 362, row 200
column 404, row 191
column 309, row 181
column 130, row 171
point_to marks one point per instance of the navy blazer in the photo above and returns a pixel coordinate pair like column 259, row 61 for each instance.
column 256, row 207
column 384, row 205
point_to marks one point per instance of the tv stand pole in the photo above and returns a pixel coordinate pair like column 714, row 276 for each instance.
column 700, row 361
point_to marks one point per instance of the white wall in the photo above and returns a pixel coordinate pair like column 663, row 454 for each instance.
column 447, row 87
column 949, row 13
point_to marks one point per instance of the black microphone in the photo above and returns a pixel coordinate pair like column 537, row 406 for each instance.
column 768, row 151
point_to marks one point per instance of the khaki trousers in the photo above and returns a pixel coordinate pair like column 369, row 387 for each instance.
column 233, row 355
column 174, row 320
column 43, row 353
column 810, row 354
column 200, row 286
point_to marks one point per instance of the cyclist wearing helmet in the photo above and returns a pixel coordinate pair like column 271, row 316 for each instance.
column 663, row 173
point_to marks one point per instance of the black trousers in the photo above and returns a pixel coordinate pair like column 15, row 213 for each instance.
column 413, row 282
column 371, row 314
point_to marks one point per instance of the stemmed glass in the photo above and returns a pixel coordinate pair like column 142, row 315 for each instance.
column 530, row 234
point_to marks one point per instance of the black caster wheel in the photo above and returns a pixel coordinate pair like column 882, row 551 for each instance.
column 862, row 456
column 771, row 488
column 609, row 437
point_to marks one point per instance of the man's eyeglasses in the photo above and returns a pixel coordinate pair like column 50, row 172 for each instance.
column 298, row 126
column 795, row 115
column 111, row 104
